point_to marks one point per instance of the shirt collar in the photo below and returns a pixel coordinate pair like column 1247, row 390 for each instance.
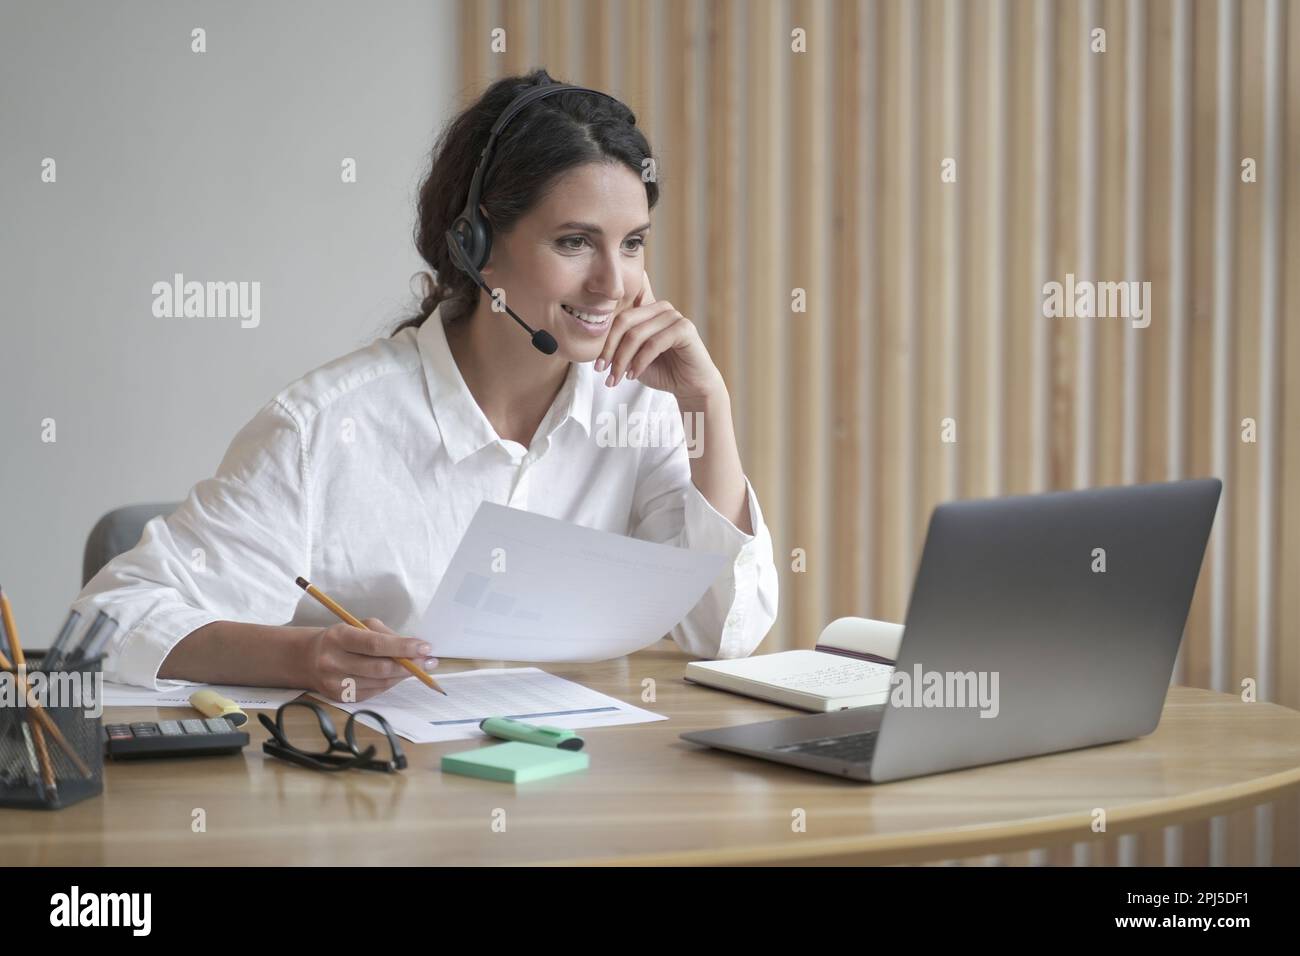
column 462, row 424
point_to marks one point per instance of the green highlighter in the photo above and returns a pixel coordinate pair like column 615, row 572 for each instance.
column 514, row 762
column 508, row 729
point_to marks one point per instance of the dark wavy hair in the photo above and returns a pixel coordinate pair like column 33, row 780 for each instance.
column 551, row 136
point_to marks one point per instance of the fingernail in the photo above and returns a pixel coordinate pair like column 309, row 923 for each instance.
column 425, row 649
column 610, row 379
column 431, row 662
column 631, row 375
column 600, row 365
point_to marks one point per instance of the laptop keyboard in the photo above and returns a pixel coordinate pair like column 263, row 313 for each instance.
column 855, row 748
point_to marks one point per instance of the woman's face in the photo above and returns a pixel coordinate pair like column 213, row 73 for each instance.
column 579, row 249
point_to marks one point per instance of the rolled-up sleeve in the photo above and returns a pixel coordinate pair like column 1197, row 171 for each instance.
column 738, row 610
column 230, row 551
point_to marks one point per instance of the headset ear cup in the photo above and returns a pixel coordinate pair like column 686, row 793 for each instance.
column 467, row 241
column 474, row 238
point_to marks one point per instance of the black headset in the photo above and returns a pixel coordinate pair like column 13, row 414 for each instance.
column 469, row 240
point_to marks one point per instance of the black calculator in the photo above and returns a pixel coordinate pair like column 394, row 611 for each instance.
column 173, row 738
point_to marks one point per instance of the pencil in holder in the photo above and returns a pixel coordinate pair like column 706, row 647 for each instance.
column 51, row 756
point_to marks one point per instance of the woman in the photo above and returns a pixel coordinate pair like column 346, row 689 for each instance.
column 363, row 475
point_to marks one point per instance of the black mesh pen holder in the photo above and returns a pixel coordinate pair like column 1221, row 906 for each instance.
column 55, row 758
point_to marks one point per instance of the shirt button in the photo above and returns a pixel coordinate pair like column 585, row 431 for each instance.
column 746, row 558
column 733, row 619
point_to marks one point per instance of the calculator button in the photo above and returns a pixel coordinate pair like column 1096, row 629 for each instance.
column 170, row 728
column 117, row 728
column 194, row 727
column 218, row 725
column 119, row 732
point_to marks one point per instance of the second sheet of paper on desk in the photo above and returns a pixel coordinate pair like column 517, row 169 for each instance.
column 526, row 587
column 247, row 698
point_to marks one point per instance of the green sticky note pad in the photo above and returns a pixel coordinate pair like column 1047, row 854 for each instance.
column 515, row 762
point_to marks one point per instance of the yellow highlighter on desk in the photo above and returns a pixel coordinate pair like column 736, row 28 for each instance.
column 211, row 704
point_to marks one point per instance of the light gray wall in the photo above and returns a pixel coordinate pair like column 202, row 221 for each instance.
column 224, row 166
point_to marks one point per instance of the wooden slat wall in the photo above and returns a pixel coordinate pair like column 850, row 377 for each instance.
column 820, row 171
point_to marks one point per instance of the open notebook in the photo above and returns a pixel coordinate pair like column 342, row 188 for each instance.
column 849, row 667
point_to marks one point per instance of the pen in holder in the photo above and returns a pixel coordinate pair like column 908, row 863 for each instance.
column 51, row 755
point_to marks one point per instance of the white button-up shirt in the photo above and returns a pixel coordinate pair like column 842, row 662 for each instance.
column 362, row 477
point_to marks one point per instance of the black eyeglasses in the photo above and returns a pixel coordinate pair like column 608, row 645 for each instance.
column 306, row 747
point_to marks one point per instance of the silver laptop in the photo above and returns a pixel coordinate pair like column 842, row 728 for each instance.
column 1038, row 623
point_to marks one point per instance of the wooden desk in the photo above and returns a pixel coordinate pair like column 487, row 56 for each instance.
column 652, row 798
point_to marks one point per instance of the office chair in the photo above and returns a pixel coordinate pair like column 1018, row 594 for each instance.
column 118, row 531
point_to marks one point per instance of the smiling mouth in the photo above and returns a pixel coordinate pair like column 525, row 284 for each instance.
column 595, row 321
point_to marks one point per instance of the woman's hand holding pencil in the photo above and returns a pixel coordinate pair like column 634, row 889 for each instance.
column 367, row 653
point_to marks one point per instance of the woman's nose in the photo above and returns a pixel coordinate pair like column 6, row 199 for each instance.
column 606, row 282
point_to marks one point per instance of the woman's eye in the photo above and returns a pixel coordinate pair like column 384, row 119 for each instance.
column 564, row 243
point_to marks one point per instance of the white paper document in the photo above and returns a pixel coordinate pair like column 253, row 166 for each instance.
column 422, row 715
column 525, row 587
column 248, row 698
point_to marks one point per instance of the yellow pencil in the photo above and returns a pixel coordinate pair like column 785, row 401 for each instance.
column 343, row 615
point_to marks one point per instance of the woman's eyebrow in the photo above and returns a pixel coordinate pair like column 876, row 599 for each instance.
column 595, row 229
